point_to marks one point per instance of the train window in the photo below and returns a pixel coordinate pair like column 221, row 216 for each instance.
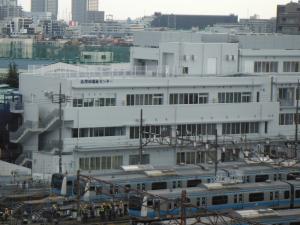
column 297, row 194
column 275, row 177
column 286, row 194
column 98, row 190
column 127, row 188
column 248, row 179
column 198, row 202
column 179, row 184
column 208, row 180
column 271, row 196
column 220, row 200
column 279, row 177
column 292, row 176
column 256, row 197
column 276, row 195
column 159, row 185
column 143, row 187
column 174, row 184
column 235, row 199
column 295, row 223
column 240, row 198
column 170, row 205
column 92, row 188
column 261, row 178
column 138, row 186
column 150, row 202
column 69, row 183
column 193, row 183
column 135, row 203
column 203, row 201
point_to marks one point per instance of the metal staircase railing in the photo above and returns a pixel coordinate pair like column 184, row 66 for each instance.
column 35, row 126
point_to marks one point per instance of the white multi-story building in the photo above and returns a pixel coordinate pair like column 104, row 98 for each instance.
column 188, row 86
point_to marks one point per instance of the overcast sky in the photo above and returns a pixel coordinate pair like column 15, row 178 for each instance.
column 122, row 9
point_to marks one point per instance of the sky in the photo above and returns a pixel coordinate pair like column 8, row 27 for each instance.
column 122, row 9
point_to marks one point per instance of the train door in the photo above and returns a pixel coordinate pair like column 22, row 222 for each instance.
column 238, row 200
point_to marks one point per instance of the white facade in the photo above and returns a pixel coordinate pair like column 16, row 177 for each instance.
column 245, row 96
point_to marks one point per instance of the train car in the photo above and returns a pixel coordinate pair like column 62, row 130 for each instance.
column 218, row 197
column 176, row 177
column 261, row 216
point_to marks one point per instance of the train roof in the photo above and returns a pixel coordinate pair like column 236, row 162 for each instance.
column 221, row 188
column 236, row 168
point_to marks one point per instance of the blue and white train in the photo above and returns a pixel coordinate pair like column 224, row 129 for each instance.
column 218, row 197
column 177, row 177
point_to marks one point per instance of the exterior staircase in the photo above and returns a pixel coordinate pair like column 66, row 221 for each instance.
column 30, row 127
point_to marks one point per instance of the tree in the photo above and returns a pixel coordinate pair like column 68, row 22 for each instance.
column 13, row 76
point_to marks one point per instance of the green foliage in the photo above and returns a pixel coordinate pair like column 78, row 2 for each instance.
column 13, row 76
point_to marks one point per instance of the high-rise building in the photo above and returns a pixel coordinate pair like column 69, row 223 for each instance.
column 45, row 6
column 9, row 9
column 8, row 2
column 288, row 18
column 83, row 11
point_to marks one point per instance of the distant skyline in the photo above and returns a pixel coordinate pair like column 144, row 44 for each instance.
column 122, row 9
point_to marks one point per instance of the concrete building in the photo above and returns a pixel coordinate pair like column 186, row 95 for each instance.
column 187, row 22
column 20, row 26
column 86, row 11
column 8, row 3
column 45, row 6
column 188, row 85
column 257, row 25
column 10, row 11
column 288, row 18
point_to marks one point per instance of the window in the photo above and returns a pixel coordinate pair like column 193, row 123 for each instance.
column 159, row 185
column 266, row 67
column 256, row 197
column 286, row 119
column 286, row 96
column 185, row 70
column 144, row 99
column 240, row 128
column 286, row 194
column 291, row 67
column 271, row 196
column 98, row 132
column 220, row 200
column 195, row 129
column 193, row 183
column 234, row 97
column 297, row 194
column 134, row 159
column 192, row 98
column 117, row 162
column 261, row 178
column 149, row 131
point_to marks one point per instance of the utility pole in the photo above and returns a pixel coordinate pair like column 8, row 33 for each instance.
column 60, row 99
column 78, row 195
column 297, row 118
column 183, row 208
column 141, row 139
column 216, row 153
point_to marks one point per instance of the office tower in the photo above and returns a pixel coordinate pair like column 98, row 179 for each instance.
column 8, row 2
column 288, row 18
column 86, row 11
column 45, row 6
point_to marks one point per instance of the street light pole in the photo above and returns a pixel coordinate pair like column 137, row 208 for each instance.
column 216, row 152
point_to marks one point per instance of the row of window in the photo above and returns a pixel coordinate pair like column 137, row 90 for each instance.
column 149, row 131
column 240, row 128
column 94, row 102
column 163, row 131
column 288, row 118
column 196, row 129
column 188, row 98
column 291, row 67
column 272, row 67
column 190, row 157
column 98, row 132
column 144, row 99
column 234, row 97
column 266, row 67
column 101, row 163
